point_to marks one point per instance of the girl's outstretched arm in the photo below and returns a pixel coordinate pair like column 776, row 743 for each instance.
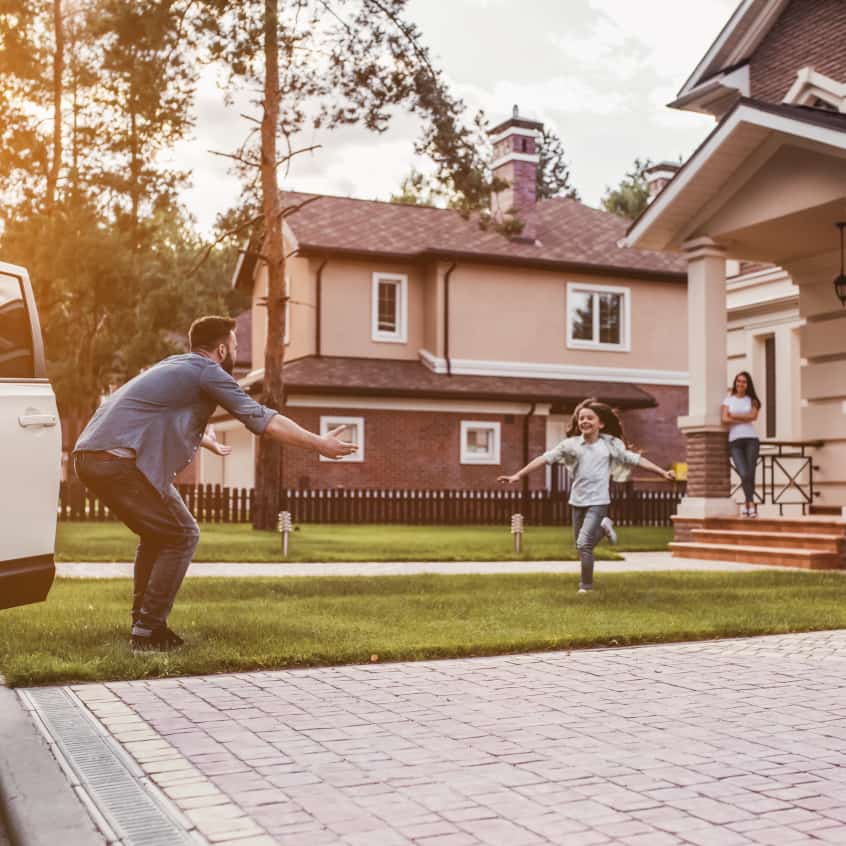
column 654, row 468
column 540, row 461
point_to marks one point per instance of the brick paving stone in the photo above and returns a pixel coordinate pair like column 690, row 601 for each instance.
column 723, row 743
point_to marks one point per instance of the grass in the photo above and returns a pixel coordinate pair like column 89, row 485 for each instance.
column 235, row 542
column 80, row 633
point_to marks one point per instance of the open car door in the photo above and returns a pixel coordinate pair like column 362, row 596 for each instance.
column 30, row 448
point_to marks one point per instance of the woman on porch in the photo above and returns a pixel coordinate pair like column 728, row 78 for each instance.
column 739, row 412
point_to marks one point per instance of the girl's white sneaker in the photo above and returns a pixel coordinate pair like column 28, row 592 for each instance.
column 607, row 525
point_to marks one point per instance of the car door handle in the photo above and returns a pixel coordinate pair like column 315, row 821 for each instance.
column 27, row 420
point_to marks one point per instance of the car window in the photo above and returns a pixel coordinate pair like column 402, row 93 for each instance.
column 16, row 355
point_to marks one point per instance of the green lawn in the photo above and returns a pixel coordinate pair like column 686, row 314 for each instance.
column 312, row 542
column 80, row 633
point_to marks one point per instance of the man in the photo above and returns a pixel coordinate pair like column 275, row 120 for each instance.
column 149, row 430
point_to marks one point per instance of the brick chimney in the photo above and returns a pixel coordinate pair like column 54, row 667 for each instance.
column 659, row 176
column 515, row 161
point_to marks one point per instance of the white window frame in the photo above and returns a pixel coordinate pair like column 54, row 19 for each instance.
column 471, row 458
column 332, row 421
column 400, row 336
column 625, row 323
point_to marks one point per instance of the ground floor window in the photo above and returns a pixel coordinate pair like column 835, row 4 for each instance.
column 354, row 433
column 480, row 442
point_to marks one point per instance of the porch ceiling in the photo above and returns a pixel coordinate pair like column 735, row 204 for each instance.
column 770, row 163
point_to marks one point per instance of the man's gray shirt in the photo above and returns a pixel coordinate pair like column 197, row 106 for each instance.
column 162, row 414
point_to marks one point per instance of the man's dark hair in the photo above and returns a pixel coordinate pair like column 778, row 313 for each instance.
column 207, row 332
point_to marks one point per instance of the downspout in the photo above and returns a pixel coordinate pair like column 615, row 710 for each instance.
column 318, row 314
column 446, row 318
column 525, row 481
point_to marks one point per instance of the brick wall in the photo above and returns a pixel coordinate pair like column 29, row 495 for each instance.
column 653, row 430
column 808, row 33
column 413, row 450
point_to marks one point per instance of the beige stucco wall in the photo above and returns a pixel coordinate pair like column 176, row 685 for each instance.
column 520, row 315
column 347, row 309
column 301, row 275
column 823, row 345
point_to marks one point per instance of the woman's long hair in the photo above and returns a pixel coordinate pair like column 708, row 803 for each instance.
column 750, row 388
column 611, row 422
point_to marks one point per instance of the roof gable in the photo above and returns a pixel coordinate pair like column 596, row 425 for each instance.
column 733, row 47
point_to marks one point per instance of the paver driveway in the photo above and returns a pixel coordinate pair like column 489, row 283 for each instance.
column 720, row 743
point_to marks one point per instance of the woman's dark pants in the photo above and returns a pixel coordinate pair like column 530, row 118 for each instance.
column 744, row 454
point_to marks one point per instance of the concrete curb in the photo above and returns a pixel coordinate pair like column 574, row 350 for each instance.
column 38, row 803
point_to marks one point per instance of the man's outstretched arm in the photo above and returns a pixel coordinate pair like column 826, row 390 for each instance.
column 284, row 430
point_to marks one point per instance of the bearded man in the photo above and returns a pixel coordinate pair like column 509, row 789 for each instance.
column 146, row 432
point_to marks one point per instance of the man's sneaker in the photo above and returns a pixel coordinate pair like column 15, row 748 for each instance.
column 607, row 526
column 161, row 640
column 585, row 590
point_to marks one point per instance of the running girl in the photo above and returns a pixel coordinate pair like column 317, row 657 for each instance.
column 594, row 452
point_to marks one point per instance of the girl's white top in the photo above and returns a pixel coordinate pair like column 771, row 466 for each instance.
column 592, row 465
column 740, row 405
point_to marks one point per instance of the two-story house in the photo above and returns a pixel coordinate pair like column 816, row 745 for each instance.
column 455, row 353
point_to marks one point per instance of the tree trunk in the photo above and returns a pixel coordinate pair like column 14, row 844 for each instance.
column 58, row 72
column 268, row 498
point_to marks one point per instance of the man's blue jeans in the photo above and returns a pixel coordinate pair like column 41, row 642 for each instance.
column 167, row 530
column 587, row 533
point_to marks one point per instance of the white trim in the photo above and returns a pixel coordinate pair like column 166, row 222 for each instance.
column 492, row 426
column 743, row 114
column 543, row 370
column 407, row 404
column 330, row 421
column 755, row 34
column 288, row 235
column 810, row 85
column 400, row 336
column 514, row 130
column 532, row 158
column 626, row 324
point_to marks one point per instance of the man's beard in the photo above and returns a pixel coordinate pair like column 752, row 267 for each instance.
column 228, row 363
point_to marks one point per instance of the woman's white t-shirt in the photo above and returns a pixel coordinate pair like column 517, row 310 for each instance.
column 740, row 405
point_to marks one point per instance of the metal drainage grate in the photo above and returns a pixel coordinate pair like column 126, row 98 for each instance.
column 135, row 817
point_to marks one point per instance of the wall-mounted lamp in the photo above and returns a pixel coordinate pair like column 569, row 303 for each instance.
column 840, row 281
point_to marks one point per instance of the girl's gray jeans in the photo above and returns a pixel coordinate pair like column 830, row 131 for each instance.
column 587, row 532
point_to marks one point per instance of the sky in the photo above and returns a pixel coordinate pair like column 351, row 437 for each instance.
column 599, row 72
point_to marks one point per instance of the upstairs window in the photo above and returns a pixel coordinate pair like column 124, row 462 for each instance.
column 598, row 317
column 390, row 308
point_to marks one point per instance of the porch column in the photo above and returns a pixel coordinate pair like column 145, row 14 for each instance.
column 708, row 475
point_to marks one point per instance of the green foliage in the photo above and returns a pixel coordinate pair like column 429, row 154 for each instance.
column 236, row 625
column 631, row 196
column 553, row 170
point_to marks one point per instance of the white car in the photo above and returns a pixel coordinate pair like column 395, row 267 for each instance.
column 30, row 448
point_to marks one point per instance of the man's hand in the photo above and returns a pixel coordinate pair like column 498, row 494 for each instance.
column 212, row 444
column 332, row 447
column 670, row 475
column 509, row 479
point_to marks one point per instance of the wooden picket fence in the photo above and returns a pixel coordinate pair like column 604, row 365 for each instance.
column 216, row 504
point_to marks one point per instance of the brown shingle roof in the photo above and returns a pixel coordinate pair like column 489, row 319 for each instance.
column 571, row 235
column 393, row 378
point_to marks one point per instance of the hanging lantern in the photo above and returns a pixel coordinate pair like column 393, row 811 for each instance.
column 840, row 281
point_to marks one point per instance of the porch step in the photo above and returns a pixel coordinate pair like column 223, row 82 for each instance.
column 829, row 542
column 826, row 510
column 812, row 525
column 808, row 559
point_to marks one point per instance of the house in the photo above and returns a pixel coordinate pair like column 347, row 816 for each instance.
column 765, row 192
column 455, row 353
